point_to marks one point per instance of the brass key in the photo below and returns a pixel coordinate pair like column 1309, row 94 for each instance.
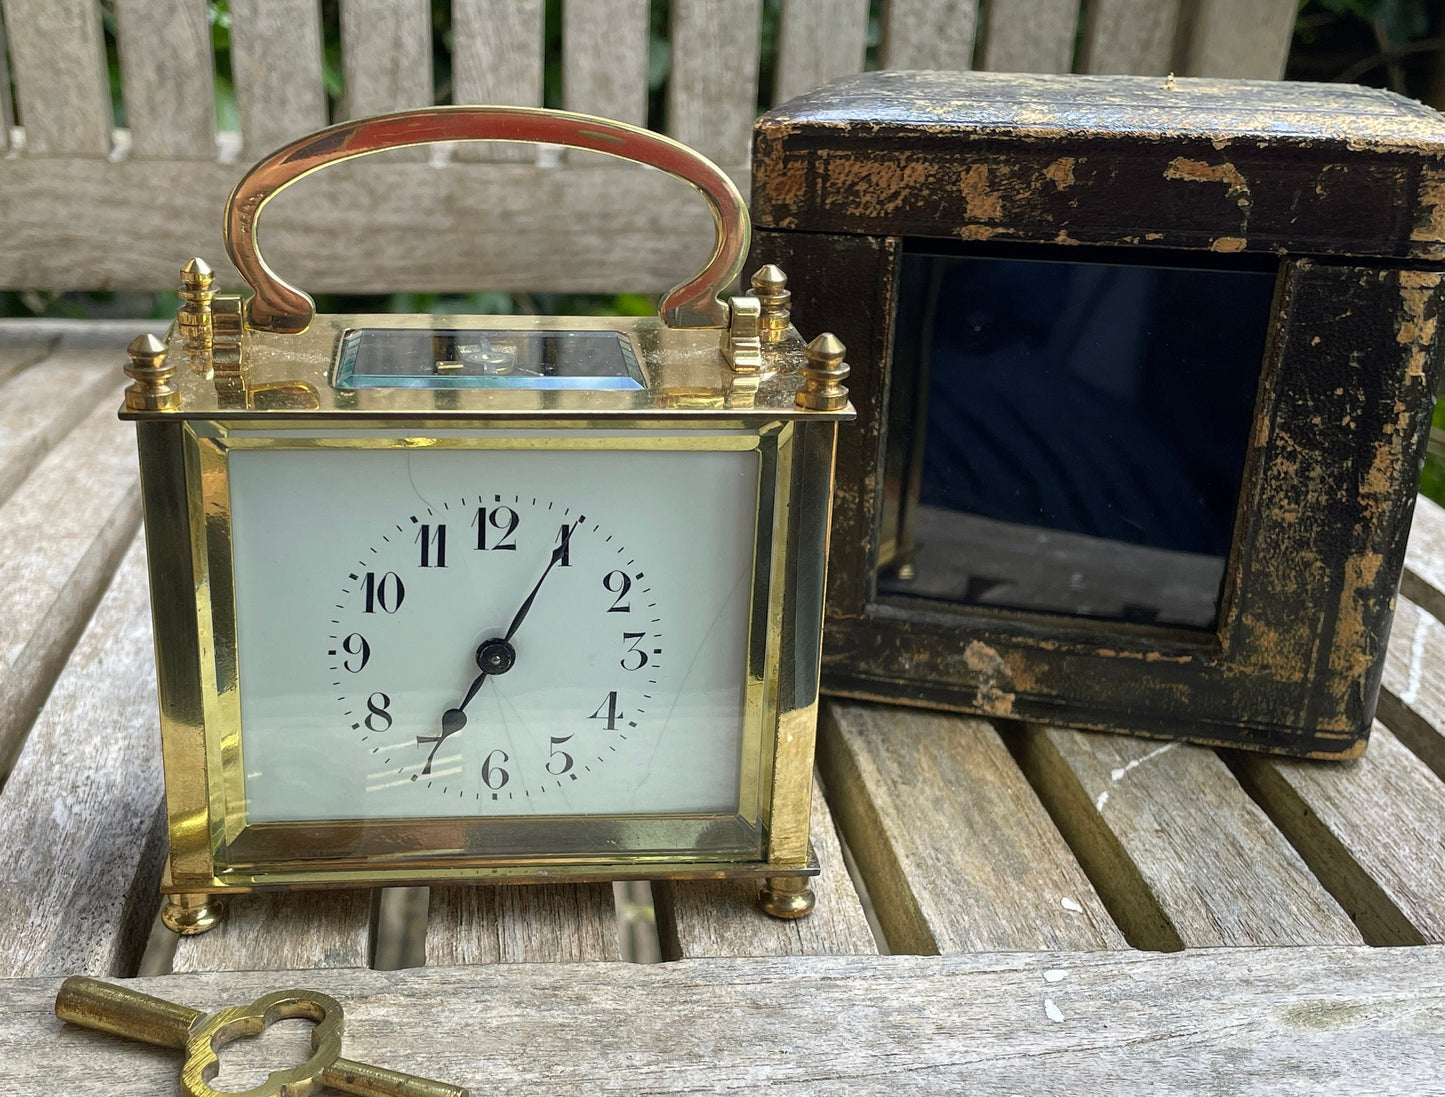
column 115, row 1009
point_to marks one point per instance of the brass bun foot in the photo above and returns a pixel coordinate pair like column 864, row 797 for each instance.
column 786, row 897
column 192, row 913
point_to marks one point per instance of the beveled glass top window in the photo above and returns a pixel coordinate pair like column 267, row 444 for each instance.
column 1067, row 433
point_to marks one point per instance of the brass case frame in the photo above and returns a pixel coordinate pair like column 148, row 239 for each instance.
column 183, row 455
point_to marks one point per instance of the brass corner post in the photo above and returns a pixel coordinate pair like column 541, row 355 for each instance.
column 151, row 388
column 823, row 374
column 194, row 317
column 770, row 287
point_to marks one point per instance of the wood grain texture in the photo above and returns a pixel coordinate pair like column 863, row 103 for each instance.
column 167, row 71
column 954, row 847
column 565, row 229
column 721, row 917
column 521, row 923
column 1412, row 694
column 818, row 41
column 61, row 535
column 604, row 58
column 276, row 69
column 7, row 107
column 1244, row 38
column 386, row 56
column 1182, row 857
column 284, row 930
column 713, row 90
column 21, row 347
column 1030, row 36
column 1130, row 36
column 1424, row 578
column 40, row 405
column 57, row 57
column 1372, row 830
column 497, row 58
column 82, row 830
column 1208, row 1022
column 928, row 34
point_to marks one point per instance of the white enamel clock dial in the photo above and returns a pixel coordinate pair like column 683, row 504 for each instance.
column 491, row 632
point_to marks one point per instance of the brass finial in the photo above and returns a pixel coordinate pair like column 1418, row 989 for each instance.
column 194, row 317
column 823, row 388
column 151, row 388
column 742, row 343
column 770, row 287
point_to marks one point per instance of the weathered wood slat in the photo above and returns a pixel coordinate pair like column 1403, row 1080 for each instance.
column 1424, row 579
column 7, row 108
column 497, row 58
column 570, row 228
column 713, row 91
column 276, row 68
column 1245, row 38
column 82, row 830
column 167, row 71
column 1030, row 36
column 1372, row 830
column 954, row 847
column 818, row 41
column 1241, row 1022
column 39, row 407
column 521, row 923
column 721, row 917
column 386, row 56
column 1412, row 693
column 61, row 92
column 281, row 931
column 1179, row 852
column 61, row 535
column 604, row 59
column 21, row 349
column 1130, row 37
column 928, row 34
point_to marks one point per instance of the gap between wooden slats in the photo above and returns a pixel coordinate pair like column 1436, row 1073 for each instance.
column 82, row 829
column 1246, row 1022
column 1372, row 830
column 1180, row 854
column 1029, row 35
column 1238, row 38
column 497, row 58
column 276, row 69
column 818, row 41
column 167, row 70
column 712, row 93
column 697, row 918
column 1132, row 37
column 61, row 535
column 57, row 51
column 956, row 850
column 928, row 34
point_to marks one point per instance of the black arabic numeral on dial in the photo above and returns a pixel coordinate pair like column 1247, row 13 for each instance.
column 378, row 719
column 620, row 588
column 433, row 545
column 632, row 639
column 611, row 715
column 388, row 592
column 493, row 775
column 559, row 756
column 504, row 520
column 356, row 645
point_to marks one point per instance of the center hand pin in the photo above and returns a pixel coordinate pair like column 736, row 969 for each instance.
column 123, row 1012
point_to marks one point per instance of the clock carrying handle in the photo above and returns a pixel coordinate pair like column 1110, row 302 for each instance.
column 278, row 306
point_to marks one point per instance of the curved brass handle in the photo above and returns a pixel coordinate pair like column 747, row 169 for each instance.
column 279, row 306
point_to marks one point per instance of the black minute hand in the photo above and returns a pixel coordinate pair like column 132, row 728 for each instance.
column 557, row 554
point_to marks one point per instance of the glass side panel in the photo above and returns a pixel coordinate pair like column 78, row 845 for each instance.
column 1069, row 437
column 454, row 358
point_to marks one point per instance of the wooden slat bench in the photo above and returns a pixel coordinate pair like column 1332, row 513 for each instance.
column 1060, row 904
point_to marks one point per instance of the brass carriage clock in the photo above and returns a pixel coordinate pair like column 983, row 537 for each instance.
column 446, row 598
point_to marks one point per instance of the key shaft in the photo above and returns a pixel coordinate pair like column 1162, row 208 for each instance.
column 124, row 1012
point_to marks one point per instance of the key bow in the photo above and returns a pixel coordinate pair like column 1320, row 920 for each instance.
column 220, row 1028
